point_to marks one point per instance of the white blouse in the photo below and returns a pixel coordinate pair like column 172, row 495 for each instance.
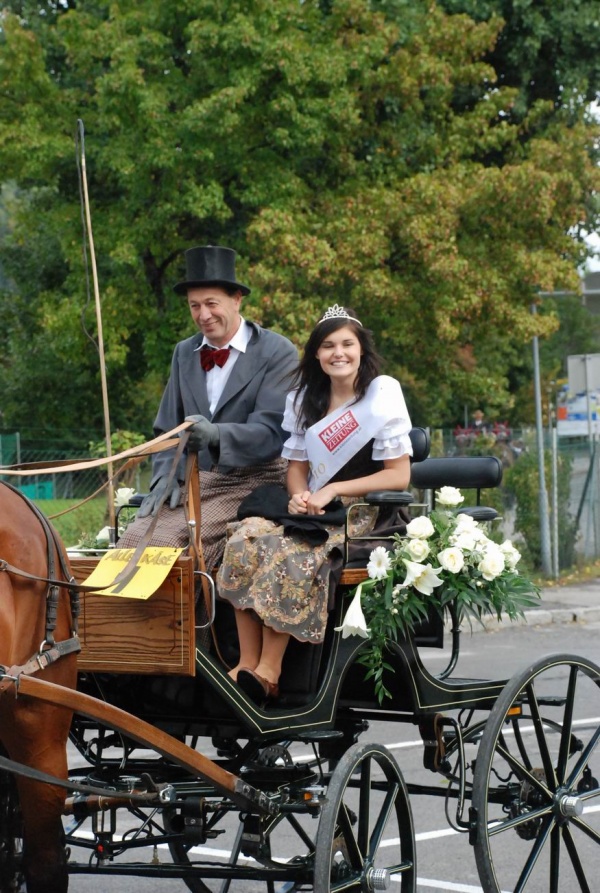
column 390, row 442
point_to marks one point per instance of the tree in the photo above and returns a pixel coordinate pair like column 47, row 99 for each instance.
column 330, row 143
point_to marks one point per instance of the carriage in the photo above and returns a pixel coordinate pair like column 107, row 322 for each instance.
column 290, row 793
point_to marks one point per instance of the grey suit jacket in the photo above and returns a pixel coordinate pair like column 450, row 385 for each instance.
column 250, row 410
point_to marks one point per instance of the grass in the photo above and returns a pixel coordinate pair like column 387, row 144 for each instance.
column 81, row 523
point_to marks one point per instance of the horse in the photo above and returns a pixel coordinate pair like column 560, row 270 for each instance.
column 38, row 621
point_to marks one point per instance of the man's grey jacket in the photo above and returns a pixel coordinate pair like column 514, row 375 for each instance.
column 249, row 412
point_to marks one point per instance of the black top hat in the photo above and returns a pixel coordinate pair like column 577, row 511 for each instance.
column 210, row 265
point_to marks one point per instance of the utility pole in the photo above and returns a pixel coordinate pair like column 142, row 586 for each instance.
column 542, row 492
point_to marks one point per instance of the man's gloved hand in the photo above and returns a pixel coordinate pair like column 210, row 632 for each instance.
column 202, row 434
column 171, row 493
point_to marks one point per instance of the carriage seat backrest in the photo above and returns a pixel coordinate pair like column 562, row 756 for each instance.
column 421, row 444
column 464, row 472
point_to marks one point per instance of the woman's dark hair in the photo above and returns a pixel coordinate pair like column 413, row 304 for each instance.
column 314, row 385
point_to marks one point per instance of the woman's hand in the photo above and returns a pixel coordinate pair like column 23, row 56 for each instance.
column 297, row 503
column 317, row 501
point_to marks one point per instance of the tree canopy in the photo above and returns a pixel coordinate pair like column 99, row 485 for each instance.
column 383, row 155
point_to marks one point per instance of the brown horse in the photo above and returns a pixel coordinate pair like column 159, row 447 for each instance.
column 32, row 732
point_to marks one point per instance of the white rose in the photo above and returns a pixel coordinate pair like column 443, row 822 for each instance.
column 420, row 528
column 480, row 537
column 465, row 522
column 449, row 496
column 492, row 564
column 465, row 541
column 452, row 560
column 417, row 549
column 123, row 495
column 512, row 556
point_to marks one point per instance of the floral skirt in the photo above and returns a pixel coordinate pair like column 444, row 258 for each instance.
column 282, row 579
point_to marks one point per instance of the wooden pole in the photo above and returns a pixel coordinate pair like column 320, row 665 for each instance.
column 88, row 219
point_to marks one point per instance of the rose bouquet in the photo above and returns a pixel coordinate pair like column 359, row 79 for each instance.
column 446, row 558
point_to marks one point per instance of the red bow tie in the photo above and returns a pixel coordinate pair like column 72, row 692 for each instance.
column 211, row 356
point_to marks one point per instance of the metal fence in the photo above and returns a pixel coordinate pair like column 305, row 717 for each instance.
column 572, row 484
column 63, row 484
column 572, row 493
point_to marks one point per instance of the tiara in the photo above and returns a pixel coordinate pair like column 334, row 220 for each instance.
column 337, row 312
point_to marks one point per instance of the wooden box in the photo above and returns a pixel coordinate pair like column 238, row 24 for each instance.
column 127, row 635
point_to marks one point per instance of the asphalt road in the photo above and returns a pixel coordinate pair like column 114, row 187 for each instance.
column 445, row 858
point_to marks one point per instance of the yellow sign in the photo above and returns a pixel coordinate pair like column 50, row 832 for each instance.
column 151, row 571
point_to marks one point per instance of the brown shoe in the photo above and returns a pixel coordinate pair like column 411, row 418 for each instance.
column 257, row 688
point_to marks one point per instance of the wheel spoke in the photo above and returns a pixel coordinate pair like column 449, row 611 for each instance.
column 382, row 819
column 567, row 729
column 498, row 827
column 534, row 855
column 516, row 727
column 585, row 829
column 575, row 860
column 584, row 759
column 354, row 853
column 522, row 773
column 554, row 859
column 538, row 725
column 304, row 837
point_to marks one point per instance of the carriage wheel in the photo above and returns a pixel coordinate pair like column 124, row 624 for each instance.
column 366, row 835
column 11, row 836
column 536, row 797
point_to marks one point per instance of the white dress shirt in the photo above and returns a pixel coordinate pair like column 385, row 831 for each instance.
column 216, row 378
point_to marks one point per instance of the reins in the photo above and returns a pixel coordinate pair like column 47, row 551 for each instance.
column 159, row 444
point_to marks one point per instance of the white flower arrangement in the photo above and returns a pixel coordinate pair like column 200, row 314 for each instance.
column 445, row 559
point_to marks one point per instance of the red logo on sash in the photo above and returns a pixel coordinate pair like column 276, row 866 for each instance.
column 336, row 433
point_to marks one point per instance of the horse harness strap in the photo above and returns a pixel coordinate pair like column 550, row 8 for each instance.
column 38, row 661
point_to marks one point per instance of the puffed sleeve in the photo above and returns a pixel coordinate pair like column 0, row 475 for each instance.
column 294, row 447
column 392, row 440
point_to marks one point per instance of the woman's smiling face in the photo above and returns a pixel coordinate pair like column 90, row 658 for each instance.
column 339, row 355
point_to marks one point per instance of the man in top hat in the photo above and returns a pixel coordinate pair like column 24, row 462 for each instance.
column 231, row 378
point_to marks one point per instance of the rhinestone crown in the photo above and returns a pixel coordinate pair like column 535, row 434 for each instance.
column 337, row 312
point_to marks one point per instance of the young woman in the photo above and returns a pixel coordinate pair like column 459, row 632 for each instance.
column 349, row 435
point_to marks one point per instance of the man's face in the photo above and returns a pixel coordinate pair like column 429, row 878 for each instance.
column 216, row 314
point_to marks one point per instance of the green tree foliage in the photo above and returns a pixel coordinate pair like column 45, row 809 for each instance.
column 548, row 49
column 360, row 152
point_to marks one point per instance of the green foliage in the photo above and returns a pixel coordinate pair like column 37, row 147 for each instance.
column 521, row 482
column 359, row 151
column 119, row 442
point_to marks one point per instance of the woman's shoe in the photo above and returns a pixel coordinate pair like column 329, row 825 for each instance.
column 257, row 688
